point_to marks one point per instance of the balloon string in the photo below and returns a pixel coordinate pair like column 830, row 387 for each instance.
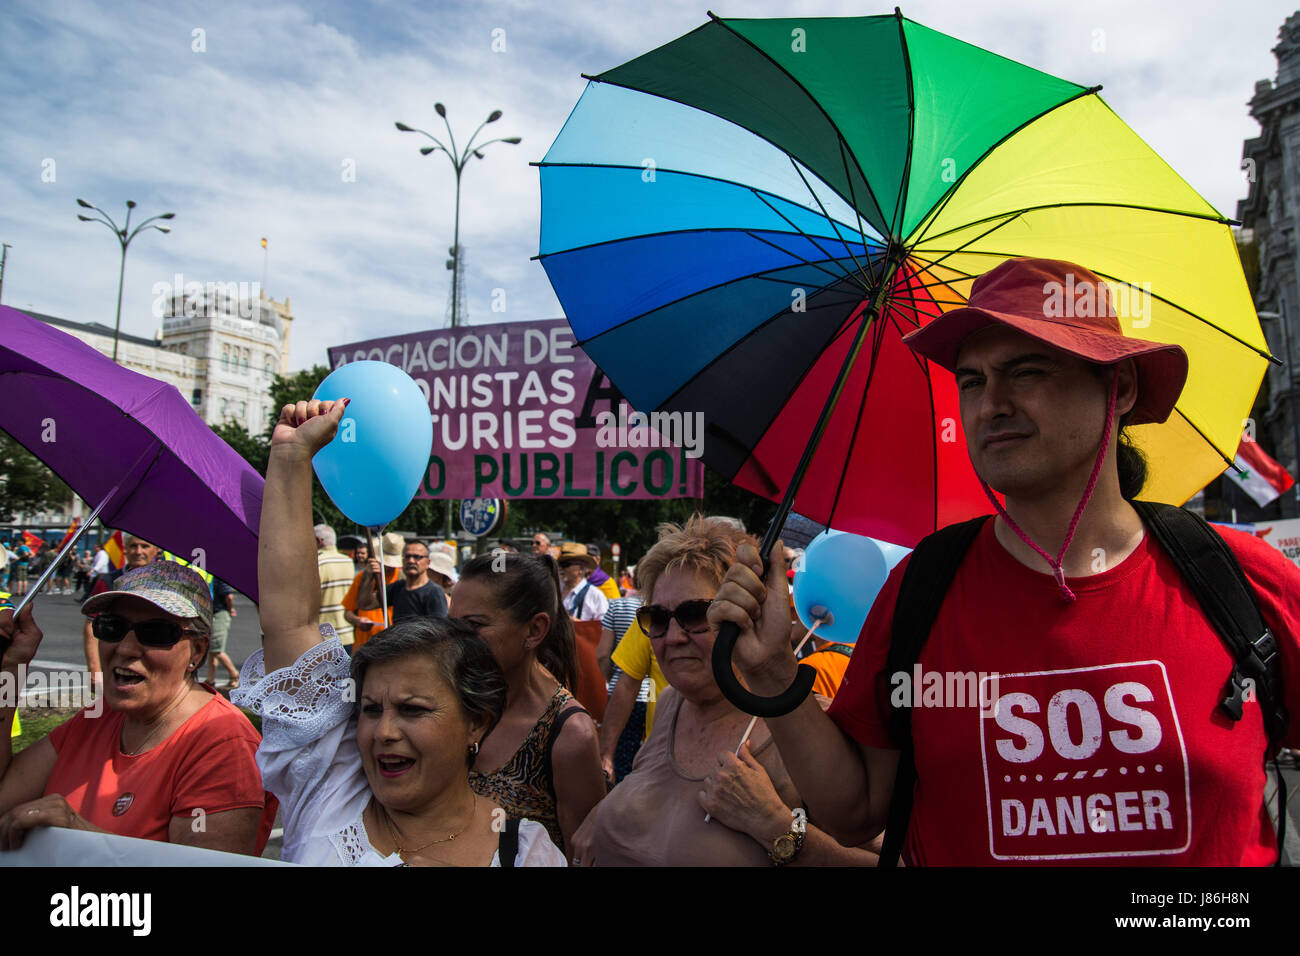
column 378, row 533
column 816, row 624
column 753, row 720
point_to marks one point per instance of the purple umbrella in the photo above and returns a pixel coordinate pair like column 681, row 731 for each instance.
column 132, row 445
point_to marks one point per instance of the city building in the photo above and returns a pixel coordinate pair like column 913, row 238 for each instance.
column 1270, row 214
column 239, row 346
column 221, row 351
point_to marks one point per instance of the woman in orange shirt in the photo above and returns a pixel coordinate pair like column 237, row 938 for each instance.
column 168, row 749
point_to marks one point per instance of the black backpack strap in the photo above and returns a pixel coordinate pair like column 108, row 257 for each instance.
column 1215, row 577
column 556, row 725
column 930, row 570
column 1213, row 573
column 508, row 847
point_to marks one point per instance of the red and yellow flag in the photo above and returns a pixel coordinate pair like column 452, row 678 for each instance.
column 69, row 533
column 263, row 242
column 116, row 550
column 31, row 540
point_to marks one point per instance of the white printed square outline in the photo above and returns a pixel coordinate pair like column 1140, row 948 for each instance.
column 1182, row 746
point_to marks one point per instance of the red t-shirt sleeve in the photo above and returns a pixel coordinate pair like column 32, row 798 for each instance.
column 220, row 770
column 861, row 708
column 1276, row 581
column 60, row 733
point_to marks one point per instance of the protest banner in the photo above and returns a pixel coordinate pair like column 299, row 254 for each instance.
column 56, row 846
column 520, row 412
column 1283, row 535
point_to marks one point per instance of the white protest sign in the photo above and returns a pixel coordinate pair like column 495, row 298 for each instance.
column 1283, row 535
column 56, row 846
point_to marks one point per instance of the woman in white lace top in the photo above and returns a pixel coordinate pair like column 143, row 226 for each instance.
column 370, row 757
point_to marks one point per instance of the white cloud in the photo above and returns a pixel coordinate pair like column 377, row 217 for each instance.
column 248, row 138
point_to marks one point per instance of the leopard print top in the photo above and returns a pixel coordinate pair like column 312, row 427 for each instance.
column 525, row 786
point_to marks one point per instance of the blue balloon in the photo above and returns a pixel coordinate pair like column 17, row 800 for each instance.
column 375, row 464
column 842, row 573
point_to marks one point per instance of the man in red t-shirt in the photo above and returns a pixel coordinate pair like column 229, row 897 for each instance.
column 1065, row 708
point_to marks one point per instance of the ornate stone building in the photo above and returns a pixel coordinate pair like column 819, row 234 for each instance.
column 239, row 346
column 1270, row 216
column 220, row 351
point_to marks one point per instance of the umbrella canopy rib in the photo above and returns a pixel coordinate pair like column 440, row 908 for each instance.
column 758, row 328
column 835, row 280
column 927, row 242
column 861, row 234
column 933, row 215
column 900, row 204
column 850, row 276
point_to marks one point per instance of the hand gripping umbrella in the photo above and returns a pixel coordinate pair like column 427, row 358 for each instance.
column 133, row 445
column 747, row 220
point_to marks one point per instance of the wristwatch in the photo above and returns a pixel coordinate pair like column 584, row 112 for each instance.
column 787, row 846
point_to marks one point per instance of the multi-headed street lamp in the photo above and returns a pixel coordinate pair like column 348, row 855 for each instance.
column 124, row 237
column 458, row 162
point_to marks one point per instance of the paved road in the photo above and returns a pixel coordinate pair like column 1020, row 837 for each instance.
column 59, row 616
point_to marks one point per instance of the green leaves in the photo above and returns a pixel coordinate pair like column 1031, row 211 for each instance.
column 26, row 485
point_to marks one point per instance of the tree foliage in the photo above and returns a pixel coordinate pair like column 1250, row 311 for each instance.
column 26, row 484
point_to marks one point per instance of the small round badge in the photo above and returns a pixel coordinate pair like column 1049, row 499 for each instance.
column 123, row 803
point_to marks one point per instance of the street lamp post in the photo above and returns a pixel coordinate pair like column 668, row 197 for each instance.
column 458, row 162
column 124, row 237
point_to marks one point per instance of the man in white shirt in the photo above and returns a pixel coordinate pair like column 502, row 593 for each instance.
column 582, row 600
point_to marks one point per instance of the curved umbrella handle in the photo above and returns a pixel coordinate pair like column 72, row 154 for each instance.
column 778, row 706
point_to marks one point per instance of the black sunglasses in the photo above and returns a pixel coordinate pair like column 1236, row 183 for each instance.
column 159, row 633
column 691, row 615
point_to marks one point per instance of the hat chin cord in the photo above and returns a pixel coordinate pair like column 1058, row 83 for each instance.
column 1055, row 563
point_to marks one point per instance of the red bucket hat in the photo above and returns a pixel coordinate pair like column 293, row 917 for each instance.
column 1067, row 307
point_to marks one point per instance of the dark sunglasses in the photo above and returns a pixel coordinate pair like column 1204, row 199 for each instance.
column 691, row 615
column 160, row 633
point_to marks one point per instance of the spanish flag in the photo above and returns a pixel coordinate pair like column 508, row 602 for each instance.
column 68, row 535
column 116, row 550
column 264, row 242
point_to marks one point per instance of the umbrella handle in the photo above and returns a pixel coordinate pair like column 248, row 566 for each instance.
column 751, row 703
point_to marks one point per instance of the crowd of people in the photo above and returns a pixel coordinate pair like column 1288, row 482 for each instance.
column 414, row 712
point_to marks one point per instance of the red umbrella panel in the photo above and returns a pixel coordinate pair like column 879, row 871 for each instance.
column 892, row 462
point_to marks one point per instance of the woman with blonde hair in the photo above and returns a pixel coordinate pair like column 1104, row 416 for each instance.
column 694, row 763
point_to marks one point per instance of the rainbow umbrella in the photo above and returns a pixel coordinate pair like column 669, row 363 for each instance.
column 745, row 222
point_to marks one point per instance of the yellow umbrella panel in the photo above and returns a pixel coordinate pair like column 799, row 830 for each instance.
column 1078, row 184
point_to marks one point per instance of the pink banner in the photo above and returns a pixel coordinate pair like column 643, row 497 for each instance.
column 520, row 412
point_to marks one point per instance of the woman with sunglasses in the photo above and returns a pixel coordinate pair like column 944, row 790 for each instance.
column 172, row 760
column 689, row 767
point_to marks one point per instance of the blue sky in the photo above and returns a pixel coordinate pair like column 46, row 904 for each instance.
column 251, row 136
